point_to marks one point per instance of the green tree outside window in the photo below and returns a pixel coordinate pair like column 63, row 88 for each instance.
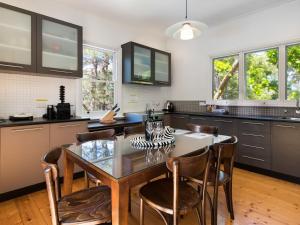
column 293, row 72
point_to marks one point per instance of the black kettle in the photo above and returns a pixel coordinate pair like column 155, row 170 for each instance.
column 170, row 107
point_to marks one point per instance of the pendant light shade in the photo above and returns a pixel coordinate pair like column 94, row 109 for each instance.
column 185, row 30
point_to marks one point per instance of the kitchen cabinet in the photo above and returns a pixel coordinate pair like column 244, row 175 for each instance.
column 285, row 148
column 17, row 39
column 145, row 65
column 65, row 133
column 30, row 42
column 254, row 143
column 179, row 121
column 21, row 151
column 59, row 47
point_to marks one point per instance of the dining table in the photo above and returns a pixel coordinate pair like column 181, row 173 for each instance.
column 120, row 166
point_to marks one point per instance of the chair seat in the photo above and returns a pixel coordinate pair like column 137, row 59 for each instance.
column 223, row 178
column 159, row 194
column 91, row 206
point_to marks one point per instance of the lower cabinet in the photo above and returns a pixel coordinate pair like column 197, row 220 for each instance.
column 285, row 141
column 179, row 121
column 21, row 151
column 22, row 148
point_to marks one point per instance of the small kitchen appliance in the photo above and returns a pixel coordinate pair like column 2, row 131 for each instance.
column 170, row 107
column 63, row 110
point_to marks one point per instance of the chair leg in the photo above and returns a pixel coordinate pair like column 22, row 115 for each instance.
column 229, row 200
column 129, row 201
column 200, row 218
column 141, row 212
column 215, row 206
column 86, row 180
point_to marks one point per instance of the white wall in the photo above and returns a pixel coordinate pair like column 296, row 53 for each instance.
column 191, row 65
column 96, row 31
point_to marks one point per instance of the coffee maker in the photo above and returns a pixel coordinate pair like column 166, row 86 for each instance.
column 63, row 110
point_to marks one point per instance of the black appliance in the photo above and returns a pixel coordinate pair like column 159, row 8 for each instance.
column 63, row 110
column 51, row 114
column 170, row 107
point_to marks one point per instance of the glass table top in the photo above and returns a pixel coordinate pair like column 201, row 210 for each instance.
column 119, row 159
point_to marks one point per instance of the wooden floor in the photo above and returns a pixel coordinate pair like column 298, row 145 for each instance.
column 258, row 199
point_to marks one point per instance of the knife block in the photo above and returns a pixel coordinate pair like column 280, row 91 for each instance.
column 108, row 117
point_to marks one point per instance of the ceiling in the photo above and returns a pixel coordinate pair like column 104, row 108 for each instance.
column 162, row 13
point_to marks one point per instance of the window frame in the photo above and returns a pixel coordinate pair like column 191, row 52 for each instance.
column 282, row 77
column 96, row 114
column 213, row 74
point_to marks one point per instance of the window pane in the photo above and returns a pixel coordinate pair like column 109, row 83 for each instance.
column 97, row 64
column 97, row 82
column 293, row 72
column 225, row 78
column 262, row 75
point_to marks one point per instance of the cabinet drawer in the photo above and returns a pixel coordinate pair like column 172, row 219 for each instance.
column 262, row 153
column 179, row 121
column 253, row 161
column 258, row 140
column 201, row 120
column 254, row 126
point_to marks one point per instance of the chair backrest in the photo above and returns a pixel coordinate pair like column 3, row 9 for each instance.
column 190, row 166
column 139, row 129
column 225, row 152
column 202, row 128
column 91, row 136
column 51, row 172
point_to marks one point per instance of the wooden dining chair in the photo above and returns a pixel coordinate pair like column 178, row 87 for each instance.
column 91, row 136
column 223, row 155
column 86, row 207
column 196, row 128
column 172, row 197
column 138, row 129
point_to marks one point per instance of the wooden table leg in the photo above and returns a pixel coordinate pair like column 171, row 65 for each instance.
column 68, row 174
column 120, row 198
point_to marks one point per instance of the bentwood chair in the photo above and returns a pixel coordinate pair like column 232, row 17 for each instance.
column 91, row 136
column 223, row 155
column 86, row 207
column 202, row 129
column 173, row 197
column 139, row 129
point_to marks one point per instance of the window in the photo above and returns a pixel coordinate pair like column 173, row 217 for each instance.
column 293, row 72
column 98, row 83
column 225, row 78
column 261, row 74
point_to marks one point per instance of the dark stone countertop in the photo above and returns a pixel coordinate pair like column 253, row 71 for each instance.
column 36, row 121
column 94, row 125
column 249, row 117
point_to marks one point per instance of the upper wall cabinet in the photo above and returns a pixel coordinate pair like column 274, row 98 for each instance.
column 39, row 44
column 17, row 39
column 144, row 65
column 59, row 47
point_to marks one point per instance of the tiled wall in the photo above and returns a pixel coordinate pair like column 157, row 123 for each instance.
column 194, row 106
column 18, row 93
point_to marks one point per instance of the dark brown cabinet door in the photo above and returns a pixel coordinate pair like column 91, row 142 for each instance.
column 225, row 126
column 286, row 148
column 59, row 47
column 162, row 68
column 179, row 121
column 17, row 39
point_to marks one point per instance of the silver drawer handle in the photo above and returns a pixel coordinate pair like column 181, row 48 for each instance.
column 285, row 126
column 252, row 123
column 141, row 82
column 248, row 157
column 71, row 125
column 12, row 66
column 224, row 121
column 62, row 71
column 254, row 135
column 28, row 129
column 252, row 146
column 179, row 117
column 194, row 118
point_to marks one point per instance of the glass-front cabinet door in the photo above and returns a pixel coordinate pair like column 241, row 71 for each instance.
column 59, row 47
column 17, row 39
column 142, row 71
column 162, row 68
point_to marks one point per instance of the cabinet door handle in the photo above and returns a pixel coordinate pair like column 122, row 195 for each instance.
column 252, row 146
column 141, row 82
column 249, row 157
column 28, row 129
column 285, row 126
column 69, row 125
column 224, row 121
column 194, row 118
column 12, row 66
column 253, row 135
column 179, row 117
column 61, row 71
column 253, row 123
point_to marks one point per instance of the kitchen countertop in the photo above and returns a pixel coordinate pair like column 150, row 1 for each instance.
column 96, row 125
column 250, row 117
column 35, row 121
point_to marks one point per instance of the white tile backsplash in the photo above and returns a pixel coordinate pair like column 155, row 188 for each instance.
column 18, row 93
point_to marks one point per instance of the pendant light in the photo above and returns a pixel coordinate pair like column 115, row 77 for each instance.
column 187, row 29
